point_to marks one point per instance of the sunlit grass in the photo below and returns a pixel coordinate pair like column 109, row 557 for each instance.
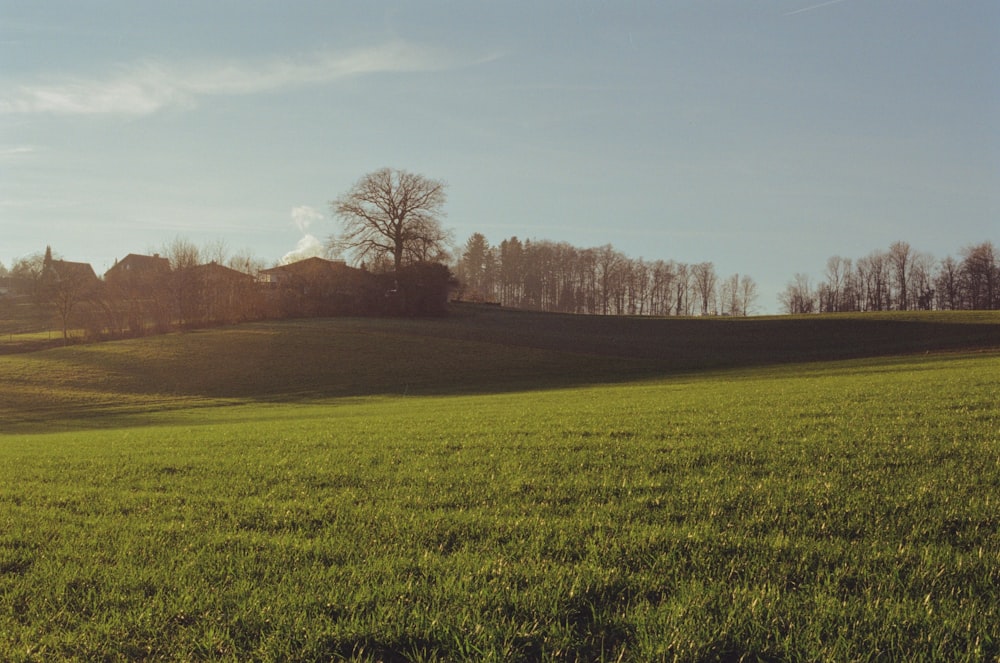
column 838, row 511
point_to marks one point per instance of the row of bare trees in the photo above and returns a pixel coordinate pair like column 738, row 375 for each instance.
column 900, row 278
column 188, row 286
column 390, row 227
column 556, row 276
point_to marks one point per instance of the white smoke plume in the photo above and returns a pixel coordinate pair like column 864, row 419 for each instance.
column 309, row 246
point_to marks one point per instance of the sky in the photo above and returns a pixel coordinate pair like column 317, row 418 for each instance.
column 764, row 136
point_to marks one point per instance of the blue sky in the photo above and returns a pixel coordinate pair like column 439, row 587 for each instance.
column 761, row 135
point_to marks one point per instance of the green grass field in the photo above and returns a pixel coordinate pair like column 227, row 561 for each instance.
column 507, row 486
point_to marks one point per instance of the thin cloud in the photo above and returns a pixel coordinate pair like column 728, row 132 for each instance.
column 304, row 216
column 17, row 151
column 147, row 87
column 812, row 7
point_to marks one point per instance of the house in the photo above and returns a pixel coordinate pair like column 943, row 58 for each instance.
column 137, row 277
column 316, row 286
column 78, row 275
column 67, row 285
column 135, row 267
column 300, row 271
column 141, row 287
column 313, row 276
column 217, row 293
column 213, row 272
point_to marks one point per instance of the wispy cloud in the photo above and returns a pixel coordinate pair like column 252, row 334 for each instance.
column 304, row 216
column 147, row 87
column 812, row 7
column 16, row 150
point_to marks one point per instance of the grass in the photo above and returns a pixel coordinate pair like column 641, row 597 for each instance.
column 273, row 362
column 621, row 510
column 699, row 343
column 479, row 350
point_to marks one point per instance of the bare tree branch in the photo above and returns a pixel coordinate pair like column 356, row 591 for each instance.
column 392, row 213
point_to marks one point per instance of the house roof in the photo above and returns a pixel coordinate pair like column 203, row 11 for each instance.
column 307, row 265
column 215, row 270
column 66, row 270
column 140, row 263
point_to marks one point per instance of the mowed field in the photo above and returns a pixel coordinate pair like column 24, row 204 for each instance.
column 507, row 486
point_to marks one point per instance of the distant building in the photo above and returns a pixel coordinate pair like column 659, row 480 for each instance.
column 79, row 274
column 134, row 264
column 141, row 287
column 302, row 271
column 213, row 272
column 67, row 285
column 316, row 286
column 218, row 294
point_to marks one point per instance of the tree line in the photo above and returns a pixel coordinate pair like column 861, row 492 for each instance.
column 901, row 279
column 556, row 276
column 188, row 287
column 390, row 226
column 184, row 287
column 402, row 257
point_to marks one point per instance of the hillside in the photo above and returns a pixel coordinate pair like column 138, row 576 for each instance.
column 302, row 490
column 476, row 350
column 717, row 342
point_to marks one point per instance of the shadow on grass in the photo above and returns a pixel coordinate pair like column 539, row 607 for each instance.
column 478, row 350
column 697, row 343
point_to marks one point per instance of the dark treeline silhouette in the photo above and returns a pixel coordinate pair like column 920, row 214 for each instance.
column 390, row 223
column 900, row 279
column 556, row 276
column 188, row 287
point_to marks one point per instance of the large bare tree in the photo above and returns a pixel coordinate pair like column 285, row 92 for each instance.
column 747, row 294
column 729, row 296
column 705, row 280
column 900, row 259
column 833, row 292
column 798, row 296
column 980, row 276
column 393, row 213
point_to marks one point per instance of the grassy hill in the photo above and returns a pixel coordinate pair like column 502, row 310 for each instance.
column 476, row 350
column 507, row 486
column 700, row 343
